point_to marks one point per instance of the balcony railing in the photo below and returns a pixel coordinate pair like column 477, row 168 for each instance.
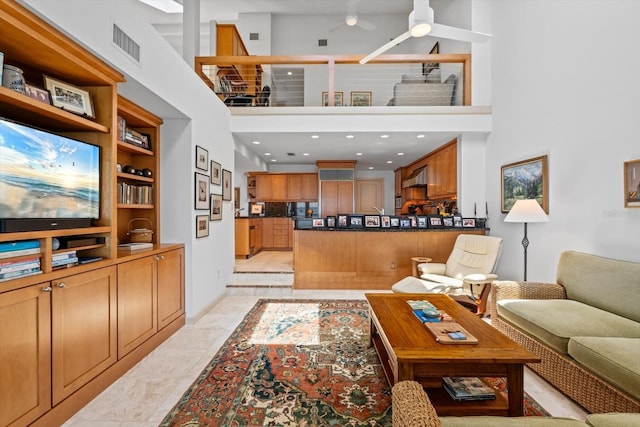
column 339, row 80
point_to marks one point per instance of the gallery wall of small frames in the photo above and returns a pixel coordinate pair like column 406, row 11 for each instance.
column 212, row 187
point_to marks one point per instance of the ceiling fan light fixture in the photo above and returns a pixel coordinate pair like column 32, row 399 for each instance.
column 420, row 23
column 351, row 20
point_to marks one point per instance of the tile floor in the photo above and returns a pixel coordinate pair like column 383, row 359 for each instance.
column 145, row 394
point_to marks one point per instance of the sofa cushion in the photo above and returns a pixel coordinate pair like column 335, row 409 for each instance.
column 613, row 419
column 422, row 94
column 554, row 321
column 485, row 421
column 601, row 282
column 614, row 359
column 413, row 78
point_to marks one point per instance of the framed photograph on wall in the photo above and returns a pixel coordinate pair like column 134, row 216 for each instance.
column 202, row 158
column 360, row 99
column 69, row 98
column 216, row 173
column 526, row 179
column 226, row 185
column 202, row 226
column 215, row 213
column 201, row 195
column 338, row 99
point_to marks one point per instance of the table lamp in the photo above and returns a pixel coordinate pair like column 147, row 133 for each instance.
column 526, row 210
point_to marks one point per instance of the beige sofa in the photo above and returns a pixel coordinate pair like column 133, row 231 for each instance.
column 585, row 328
column 419, row 90
column 412, row 408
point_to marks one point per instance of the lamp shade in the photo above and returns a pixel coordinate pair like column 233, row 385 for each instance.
column 527, row 210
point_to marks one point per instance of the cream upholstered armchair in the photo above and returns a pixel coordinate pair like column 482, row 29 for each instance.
column 466, row 276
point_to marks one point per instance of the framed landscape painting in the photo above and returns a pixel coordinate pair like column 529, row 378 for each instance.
column 526, row 179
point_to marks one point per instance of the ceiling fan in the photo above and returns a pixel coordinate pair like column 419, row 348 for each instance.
column 351, row 19
column 421, row 23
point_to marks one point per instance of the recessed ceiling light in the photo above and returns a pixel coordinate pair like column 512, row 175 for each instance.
column 267, row 154
column 256, row 142
column 358, row 154
column 273, row 160
column 421, row 136
column 350, row 137
column 370, row 167
column 389, row 161
column 315, row 136
column 305, row 154
column 400, row 154
column 384, row 136
column 289, row 73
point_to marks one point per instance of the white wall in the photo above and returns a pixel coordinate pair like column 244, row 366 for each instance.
column 193, row 116
column 564, row 85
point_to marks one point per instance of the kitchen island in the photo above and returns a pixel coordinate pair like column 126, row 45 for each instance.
column 366, row 259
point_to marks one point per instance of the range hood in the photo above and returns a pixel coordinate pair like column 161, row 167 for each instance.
column 417, row 179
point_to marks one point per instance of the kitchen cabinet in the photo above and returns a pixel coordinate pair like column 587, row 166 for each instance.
column 294, row 187
column 336, row 197
column 263, row 187
column 83, row 329
column 242, row 243
column 281, row 233
column 279, row 187
column 256, row 236
column 442, row 172
column 170, row 287
column 282, row 187
column 25, row 359
column 267, row 233
column 309, row 188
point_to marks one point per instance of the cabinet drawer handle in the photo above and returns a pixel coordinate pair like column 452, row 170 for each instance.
column 47, row 289
column 61, row 285
column 159, row 257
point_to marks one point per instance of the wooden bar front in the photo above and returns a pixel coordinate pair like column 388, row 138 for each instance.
column 337, row 259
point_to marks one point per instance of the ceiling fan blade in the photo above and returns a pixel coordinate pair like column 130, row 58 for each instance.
column 366, row 25
column 454, row 33
column 379, row 51
column 337, row 27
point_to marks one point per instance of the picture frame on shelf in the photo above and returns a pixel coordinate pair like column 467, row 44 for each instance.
column 457, row 221
column 202, row 158
column 318, row 223
column 435, row 221
column 405, row 222
column 385, row 221
column 469, row 222
column 342, row 221
column 338, row 99
column 38, row 94
column 372, row 221
column 526, row 179
column 69, row 98
column 356, row 221
column 394, row 222
column 202, row 226
column 216, row 173
column 215, row 213
column 201, row 196
column 414, row 221
column 422, row 222
column 331, row 221
column 360, row 99
column 447, row 221
column 226, row 185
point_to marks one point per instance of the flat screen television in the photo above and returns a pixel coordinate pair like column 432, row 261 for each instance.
column 47, row 181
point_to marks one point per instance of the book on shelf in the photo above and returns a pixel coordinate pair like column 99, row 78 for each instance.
column 66, row 261
column 58, row 256
column 449, row 332
column 468, row 388
column 21, row 265
column 134, row 246
column 21, row 244
column 20, row 273
column 19, row 252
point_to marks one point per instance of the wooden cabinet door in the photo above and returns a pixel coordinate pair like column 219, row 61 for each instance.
column 25, row 354
column 281, row 233
column 309, row 187
column 329, row 198
column 450, row 170
column 267, row 233
column 137, row 302
column 294, row 187
column 279, row 187
column 398, row 183
column 242, row 237
column 257, row 223
column 345, row 197
column 83, row 329
column 170, row 286
column 263, row 187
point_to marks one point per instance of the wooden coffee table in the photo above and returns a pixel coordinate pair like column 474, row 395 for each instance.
column 408, row 351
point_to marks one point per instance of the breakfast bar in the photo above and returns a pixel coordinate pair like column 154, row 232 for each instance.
column 366, row 258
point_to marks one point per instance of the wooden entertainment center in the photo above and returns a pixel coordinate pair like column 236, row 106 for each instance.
column 67, row 334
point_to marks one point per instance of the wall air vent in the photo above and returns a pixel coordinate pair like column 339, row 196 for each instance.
column 291, row 154
column 254, row 36
column 126, row 43
column 336, row 174
column 322, row 42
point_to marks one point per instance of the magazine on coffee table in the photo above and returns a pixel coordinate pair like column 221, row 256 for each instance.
column 450, row 333
column 468, row 388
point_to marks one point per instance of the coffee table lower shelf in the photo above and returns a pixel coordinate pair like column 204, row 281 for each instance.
column 446, row 406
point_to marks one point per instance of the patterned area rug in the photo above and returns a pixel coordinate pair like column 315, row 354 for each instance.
column 294, row 363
